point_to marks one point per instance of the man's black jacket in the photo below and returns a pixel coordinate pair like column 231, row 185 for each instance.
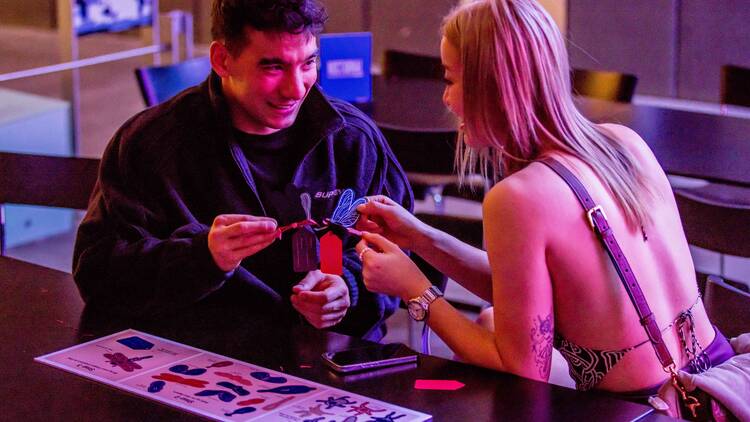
column 170, row 170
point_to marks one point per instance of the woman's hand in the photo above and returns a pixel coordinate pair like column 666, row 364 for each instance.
column 387, row 269
column 383, row 216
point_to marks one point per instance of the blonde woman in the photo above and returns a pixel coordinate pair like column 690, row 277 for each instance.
column 547, row 275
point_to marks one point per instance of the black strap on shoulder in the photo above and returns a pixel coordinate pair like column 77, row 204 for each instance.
column 600, row 225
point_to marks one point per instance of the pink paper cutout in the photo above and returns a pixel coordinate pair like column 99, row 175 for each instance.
column 447, row 385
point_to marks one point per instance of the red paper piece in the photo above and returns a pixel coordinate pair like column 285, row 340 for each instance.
column 233, row 377
column 220, row 364
column 250, row 401
column 449, row 385
column 192, row 382
column 331, row 259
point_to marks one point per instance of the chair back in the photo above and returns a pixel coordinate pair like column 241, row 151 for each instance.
column 428, row 157
column 465, row 229
column 422, row 151
column 604, row 85
column 64, row 182
column 727, row 307
column 409, row 65
column 160, row 83
column 716, row 218
column 735, row 85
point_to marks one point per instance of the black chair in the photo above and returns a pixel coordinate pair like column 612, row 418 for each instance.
column 604, row 85
column 63, row 182
column 735, row 85
column 727, row 307
column 159, row 83
column 409, row 65
column 716, row 217
column 466, row 229
column 428, row 159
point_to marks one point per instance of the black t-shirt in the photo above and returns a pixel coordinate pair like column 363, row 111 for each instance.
column 273, row 160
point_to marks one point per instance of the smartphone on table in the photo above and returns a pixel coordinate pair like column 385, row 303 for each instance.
column 369, row 357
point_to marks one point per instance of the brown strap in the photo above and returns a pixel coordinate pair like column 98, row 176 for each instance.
column 600, row 225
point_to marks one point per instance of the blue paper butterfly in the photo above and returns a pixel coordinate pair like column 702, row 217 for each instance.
column 346, row 214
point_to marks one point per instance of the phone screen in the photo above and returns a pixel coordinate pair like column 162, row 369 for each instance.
column 370, row 357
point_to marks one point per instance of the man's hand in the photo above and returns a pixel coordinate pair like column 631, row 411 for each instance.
column 233, row 237
column 322, row 299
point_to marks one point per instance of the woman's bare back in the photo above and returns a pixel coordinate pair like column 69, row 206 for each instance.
column 591, row 307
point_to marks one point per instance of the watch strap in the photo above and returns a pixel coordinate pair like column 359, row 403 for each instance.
column 431, row 294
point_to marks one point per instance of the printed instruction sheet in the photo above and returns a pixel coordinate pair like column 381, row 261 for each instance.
column 215, row 386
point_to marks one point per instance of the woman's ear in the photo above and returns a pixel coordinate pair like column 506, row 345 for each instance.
column 219, row 54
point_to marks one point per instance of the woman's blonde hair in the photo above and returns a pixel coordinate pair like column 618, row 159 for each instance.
column 516, row 92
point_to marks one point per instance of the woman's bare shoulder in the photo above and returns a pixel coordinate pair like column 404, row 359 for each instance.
column 527, row 193
column 641, row 152
column 629, row 138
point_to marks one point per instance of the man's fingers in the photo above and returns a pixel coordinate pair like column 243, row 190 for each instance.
column 308, row 282
column 321, row 297
column 335, row 306
column 227, row 219
column 316, row 310
column 333, row 317
column 318, row 318
column 243, row 252
column 325, row 303
column 249, row 228
column 306, row 308
column 242, row 243
column 312, row 297
column 333, row 291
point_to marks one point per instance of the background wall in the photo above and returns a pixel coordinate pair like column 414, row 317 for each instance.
column 38, row 13
column 675, row 47
column 712, row 34
column 407, row 25
column 634, row 36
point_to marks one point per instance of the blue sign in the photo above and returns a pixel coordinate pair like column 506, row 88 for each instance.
column 345, row 61
column 91, row 16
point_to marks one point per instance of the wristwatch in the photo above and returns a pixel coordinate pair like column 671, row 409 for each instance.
column 419, row 307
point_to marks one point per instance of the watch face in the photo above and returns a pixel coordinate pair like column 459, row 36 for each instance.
column 416, row 310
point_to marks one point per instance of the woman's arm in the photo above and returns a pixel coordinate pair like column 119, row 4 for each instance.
column 461, row 262
column 522, row 292
column 516, row 224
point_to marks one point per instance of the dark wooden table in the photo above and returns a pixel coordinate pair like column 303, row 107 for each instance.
column 705, row 146
column 41, row 312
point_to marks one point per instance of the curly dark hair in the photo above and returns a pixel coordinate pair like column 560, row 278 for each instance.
column 230, row 17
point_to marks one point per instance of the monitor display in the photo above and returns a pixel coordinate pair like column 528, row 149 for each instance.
column 91, row 16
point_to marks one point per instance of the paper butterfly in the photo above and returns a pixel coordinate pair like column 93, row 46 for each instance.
column 346, row 214
column 127, row 364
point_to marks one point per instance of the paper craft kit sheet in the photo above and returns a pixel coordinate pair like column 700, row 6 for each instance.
column 216, row 386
